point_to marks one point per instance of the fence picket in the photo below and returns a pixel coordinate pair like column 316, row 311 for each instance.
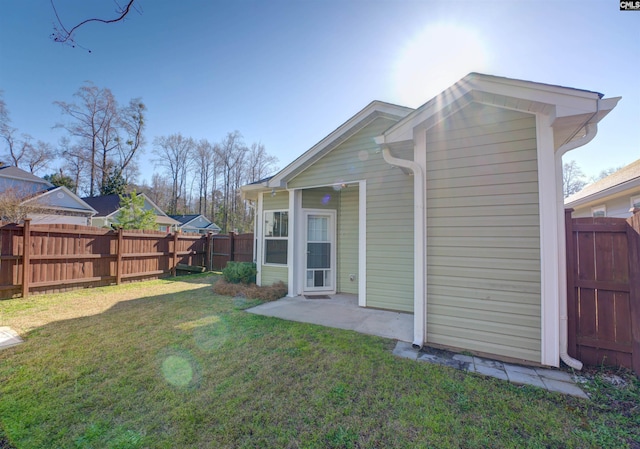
column 49, row 258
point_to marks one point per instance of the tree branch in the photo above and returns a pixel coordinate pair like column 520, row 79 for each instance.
column 65, row 36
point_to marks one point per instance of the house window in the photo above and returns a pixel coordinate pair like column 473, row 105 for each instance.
column 599, row 211
column 635, row 202
column 276, row 233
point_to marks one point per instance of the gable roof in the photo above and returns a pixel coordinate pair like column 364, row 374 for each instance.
column 186, row 221
column 45, row 194
column 105, row 205
column 9, row 171
column 372, row 111
column 625, row 178
column 572, row 109
column 575, row 114
column 59, row 194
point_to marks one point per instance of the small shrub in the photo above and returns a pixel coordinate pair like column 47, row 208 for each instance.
column 240, row 272
column 251, row 291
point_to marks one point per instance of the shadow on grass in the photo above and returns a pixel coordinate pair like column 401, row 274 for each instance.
column 188, row 368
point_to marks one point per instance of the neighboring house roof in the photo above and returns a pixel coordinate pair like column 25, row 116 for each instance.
column 9, row 171
column 43, row 193
column 105, row 205
column 628, row 177
column 108, row 205
column 192, row 221
column 62, row 199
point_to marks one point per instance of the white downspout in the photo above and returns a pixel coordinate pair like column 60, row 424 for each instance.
column 591, row 129
column 419, row 263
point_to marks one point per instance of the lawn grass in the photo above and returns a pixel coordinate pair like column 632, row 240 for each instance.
column 167, row 364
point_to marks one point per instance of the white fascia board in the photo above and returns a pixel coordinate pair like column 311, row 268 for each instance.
column 526, row 96
column 358, row 121
column 83, row 206
column 625, row 188
column 568, row 101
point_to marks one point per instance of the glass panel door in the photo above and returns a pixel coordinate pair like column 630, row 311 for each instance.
column 319, row 272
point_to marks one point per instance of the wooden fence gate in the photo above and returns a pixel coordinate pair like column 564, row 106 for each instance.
column 603, row 290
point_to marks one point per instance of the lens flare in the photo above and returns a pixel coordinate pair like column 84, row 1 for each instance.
column 434, row 59
column 177, row 371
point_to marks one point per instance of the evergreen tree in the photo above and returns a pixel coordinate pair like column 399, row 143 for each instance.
column 133, row 215
column 59, row 179
column 114, row 184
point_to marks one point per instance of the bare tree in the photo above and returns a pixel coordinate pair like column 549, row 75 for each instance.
column 204, row 161
column 40, row 157
column 231, row 153
column 64, row 35
column 131, row 124
column 75, row 163
column 573, row 179
column 259, row 163
column 21, row 152
column 110, row 137
column 15, row 205
column 174, row 154
column 604, row 173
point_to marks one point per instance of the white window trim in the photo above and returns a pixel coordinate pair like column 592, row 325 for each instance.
column 265, row 237
column 601, row 207
column 634, row 200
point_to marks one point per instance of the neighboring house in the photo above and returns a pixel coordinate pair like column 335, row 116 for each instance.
column 195, row 223
column 49, row 204
column 452, row 211
column 614, row 196
column 108, row 207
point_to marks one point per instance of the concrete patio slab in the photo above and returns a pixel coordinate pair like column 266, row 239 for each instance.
column 9, row 337
column 523, row 376
column 340, row 311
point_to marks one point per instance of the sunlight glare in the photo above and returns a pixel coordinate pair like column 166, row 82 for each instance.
column 435, row 59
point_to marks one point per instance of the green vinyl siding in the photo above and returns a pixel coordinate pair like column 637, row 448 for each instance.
column 320, row 198
column 348, row 240
column 389, row 224
column 272, row 273
column 279, row 201
column 483, row 234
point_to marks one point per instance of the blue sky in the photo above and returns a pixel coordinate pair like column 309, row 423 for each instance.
column 288, row 72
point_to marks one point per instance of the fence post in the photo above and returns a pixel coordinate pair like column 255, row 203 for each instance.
column 633, row 236
column 572, row 318
column 231, row 246
column 175, row 253
column 208, row 259
column 119, row 256
column 26, row 253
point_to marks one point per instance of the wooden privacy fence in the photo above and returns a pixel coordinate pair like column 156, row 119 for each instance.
column 48, row 258
column 230, row 247
column 603, row 290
